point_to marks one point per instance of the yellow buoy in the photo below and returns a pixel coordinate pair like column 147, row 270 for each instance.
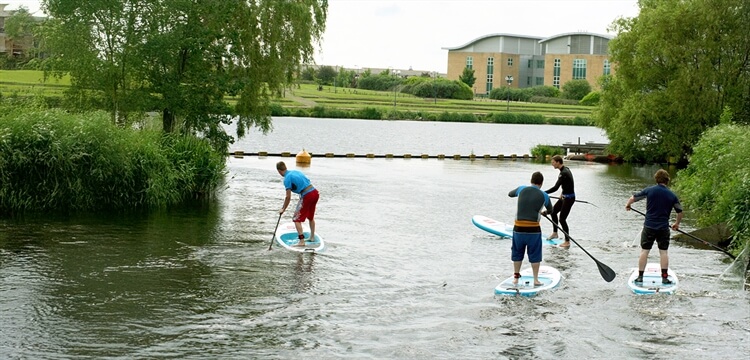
column 303, row 158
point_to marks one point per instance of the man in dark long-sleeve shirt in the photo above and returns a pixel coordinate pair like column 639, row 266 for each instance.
column 567, row 199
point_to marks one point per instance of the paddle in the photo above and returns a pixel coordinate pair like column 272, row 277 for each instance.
column 607, row 273
column 580, row 201
column 696, row 238
column 274, row 232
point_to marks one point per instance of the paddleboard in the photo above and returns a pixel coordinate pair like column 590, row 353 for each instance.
column 652, row 281
column 286, row 236
column 548, row 275
column 504, row 230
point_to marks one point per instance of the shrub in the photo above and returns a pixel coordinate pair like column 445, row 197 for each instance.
column 51, row 160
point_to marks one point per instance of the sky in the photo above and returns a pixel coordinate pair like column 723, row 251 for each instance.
column 412, row 34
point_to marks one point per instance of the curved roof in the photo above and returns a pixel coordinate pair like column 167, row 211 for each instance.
column 575, row 33
column 492, row 35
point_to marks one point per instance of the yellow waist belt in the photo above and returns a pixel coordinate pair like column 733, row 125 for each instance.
column 526, row 223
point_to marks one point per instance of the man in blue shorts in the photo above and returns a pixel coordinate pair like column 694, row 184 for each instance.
column 296, row 182
column 527, row 232
column 659, row 204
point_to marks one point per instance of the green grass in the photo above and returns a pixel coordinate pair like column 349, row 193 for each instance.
column 30, row 82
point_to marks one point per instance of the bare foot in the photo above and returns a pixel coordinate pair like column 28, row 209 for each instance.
column 565, row 244
column 552, row 236
column 538, row 283
column 302, row 244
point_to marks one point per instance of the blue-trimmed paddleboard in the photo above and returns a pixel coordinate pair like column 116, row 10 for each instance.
column 652, row 281
column 504, row 230
column 548, row 275
column 286, row 236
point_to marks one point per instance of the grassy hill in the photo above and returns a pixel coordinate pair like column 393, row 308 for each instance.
column 307, row 96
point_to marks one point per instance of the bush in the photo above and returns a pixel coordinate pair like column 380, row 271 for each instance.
column 591, row 99
column 720, row 155
column 542, row 151
column 51, row 160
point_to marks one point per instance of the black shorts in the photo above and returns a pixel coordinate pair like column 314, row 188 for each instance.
column 648, row 236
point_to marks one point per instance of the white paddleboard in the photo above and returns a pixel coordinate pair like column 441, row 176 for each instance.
column 286, row 236
column 504, row 230
column 548, row 275
column 652, row 281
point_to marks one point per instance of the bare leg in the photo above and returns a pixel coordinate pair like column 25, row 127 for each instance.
column 643, row 259
column 664, row 259
column 535, row 270
column 516, row 269
column 312, row 229
column 298, row 226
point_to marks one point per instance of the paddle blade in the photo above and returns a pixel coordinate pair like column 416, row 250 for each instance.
column 607, row 273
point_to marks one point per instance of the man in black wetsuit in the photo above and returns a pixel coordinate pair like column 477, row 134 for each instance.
column 563, row 205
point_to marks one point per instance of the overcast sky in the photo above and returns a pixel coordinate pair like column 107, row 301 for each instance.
column 407, row 34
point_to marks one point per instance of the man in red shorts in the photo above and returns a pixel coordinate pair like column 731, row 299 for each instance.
column 296, row 182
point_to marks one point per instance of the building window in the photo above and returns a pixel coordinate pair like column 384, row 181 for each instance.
column 540, row 64
column 531, row 64
column 490, row 71
column 556, row 74
column 469, row 62
column 579, row 69
column 510, row 61
column 539, row 80
column 607, row 67
column 528, row 81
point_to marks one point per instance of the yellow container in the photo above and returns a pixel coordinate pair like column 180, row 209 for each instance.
column 303, row 157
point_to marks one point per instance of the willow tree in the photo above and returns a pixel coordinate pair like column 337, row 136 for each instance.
column 184, row 57
column 679, row 63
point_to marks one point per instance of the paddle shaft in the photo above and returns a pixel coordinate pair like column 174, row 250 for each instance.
column 580, row 201
column 607, row 273
column 274, row 232
column 695, row 238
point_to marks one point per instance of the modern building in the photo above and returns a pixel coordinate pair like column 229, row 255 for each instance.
column 8, row 47
column 521, row 61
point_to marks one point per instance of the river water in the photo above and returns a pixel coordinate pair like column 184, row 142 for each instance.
column 406, row 274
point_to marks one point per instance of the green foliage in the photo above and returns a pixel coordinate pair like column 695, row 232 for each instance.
column 716, row 183
column 532, row 94
column 467, row 77
column 183, row 57
column 575, row 89
column 438, row 88
column 542, row 151
column 514, row 118
column 678, row 64
column 308, row 74
column 51, row 160
column 381, row 82
column 326, row 74
column 591, row 99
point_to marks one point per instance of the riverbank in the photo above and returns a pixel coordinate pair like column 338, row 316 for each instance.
column 305, row 100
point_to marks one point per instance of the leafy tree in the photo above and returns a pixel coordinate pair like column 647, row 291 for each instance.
column 182, row 57
column 308, row 74
column 576, row 89
column 20, row 28
column 679, row 62
column 326, row 74
column 467, row 77
column 720, row 154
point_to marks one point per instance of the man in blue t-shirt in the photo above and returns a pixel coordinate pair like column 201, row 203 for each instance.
column 659, row 204
column 296, row 182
